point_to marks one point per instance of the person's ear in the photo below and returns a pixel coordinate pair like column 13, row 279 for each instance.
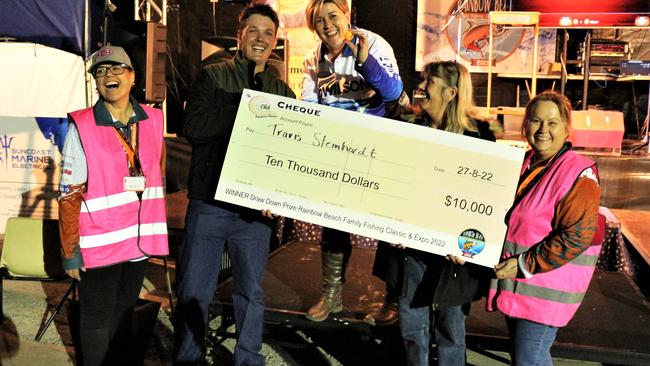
column 569, row 128
column 132, row 77
column 451, row 93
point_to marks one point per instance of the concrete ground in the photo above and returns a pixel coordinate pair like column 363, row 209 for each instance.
column 25, row 304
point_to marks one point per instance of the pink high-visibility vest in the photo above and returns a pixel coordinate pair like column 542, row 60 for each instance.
column 553, row 297
column 108, row 223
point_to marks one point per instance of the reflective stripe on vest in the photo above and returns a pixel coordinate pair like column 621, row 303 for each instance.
column 119, row 199
column 585, row 259
column 541, row 292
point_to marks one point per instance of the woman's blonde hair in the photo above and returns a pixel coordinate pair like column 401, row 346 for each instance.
column 311, row 12
column 460, row 114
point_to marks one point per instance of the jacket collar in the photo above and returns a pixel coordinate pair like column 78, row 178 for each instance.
column 103, row 116
column 245, row 65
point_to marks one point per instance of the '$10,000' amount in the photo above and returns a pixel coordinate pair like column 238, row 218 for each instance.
column 469, row 206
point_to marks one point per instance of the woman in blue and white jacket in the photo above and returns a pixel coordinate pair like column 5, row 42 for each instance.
column 353, row 69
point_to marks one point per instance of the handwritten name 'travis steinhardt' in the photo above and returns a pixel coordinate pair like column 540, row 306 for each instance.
column 319, row 139
column 322, row 140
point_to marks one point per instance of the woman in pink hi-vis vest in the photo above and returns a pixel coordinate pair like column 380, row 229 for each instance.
column 553, row 237
column 112, row 207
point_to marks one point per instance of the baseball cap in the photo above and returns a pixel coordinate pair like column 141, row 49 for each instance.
column 109, row 54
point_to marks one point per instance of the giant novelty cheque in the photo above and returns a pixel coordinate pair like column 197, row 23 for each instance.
column 423, row 188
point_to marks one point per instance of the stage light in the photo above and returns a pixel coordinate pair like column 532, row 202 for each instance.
column 565, row 21
column 642, row 21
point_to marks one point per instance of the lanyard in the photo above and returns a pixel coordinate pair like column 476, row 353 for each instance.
column 529, row 179
column 534, row 173
column 131, row 149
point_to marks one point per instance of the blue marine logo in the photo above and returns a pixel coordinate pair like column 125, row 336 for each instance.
column 5, row 144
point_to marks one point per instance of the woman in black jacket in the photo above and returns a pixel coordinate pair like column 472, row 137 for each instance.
column 444, row 286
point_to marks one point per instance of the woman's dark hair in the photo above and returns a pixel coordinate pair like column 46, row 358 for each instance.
column 263, row 10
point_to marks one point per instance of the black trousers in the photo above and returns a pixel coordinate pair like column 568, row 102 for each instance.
column 337, row 241
column 389, row 267
column 107, row 297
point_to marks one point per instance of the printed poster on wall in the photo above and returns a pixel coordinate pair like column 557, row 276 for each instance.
column 29, row 163
column 43, row 86
column 459, row 30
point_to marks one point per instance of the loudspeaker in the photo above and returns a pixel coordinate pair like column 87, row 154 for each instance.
column 597, row 129
column 146, row 44
column 221, row 48
column 217, row 49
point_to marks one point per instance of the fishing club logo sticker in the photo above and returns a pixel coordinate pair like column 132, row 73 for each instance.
column 104, row 52
column 471, row 242
column 260, row 107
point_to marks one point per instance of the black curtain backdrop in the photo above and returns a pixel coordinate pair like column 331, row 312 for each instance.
column 188, row 22
column 396, row 21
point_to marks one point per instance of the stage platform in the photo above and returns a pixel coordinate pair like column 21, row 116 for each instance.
column 635, row 227
column 612, row 325
column 292, row 285
column 624, row 182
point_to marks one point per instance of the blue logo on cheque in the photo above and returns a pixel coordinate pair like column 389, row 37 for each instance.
column 471, row 242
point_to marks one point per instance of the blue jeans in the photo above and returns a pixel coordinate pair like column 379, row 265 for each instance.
column 531, row 342
column 208, row 228
column 415, row 323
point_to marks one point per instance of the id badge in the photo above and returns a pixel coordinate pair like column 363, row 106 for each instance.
column 135, row 184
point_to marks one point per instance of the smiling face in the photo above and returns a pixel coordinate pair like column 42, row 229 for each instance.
column 436, row 96
column 115, row 88
column 546, row 130
column 257, row 39
column 331, row 24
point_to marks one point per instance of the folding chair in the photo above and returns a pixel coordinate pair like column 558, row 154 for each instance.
column 31, row 251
